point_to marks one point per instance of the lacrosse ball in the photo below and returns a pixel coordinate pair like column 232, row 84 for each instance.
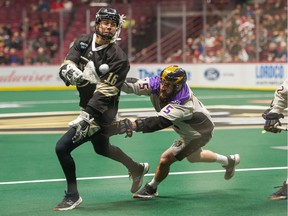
column 104, row 68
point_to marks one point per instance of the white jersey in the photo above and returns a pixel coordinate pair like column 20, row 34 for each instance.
column 280, row 98
column 191, row 120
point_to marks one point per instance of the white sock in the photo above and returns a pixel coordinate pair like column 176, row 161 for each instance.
column 222, row 159
column 153, row 183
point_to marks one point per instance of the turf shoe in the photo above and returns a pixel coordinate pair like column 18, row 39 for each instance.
column 69, row 202
column 137, row 177
column 233, row 161
column 281, row 194
column 146, row 192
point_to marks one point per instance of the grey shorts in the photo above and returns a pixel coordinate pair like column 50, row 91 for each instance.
column 181, row 150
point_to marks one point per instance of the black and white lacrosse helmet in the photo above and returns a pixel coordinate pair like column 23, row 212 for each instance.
column 174, row 75
column 109, row 14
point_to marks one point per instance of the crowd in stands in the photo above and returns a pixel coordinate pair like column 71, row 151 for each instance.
column 36, row 40
column 240, row 41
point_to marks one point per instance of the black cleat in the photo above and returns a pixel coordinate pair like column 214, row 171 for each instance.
column 146, row 192
column 69, row 202
column 281, row 194
column 233, row 161
column 137, row 177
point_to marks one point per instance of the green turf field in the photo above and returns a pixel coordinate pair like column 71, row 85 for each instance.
column 32, row 182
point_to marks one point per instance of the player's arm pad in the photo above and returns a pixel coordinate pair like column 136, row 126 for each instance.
column 152, row 124
column 131, row 80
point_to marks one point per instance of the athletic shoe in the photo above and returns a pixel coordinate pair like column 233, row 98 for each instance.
column 137, row 177
column 281, row 194
column 146, row 192
column 69, row 202
column 233, row 161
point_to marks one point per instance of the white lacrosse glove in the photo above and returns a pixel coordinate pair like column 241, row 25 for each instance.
column 85, row 127
column 89, row 73
column 70, row 74
column 76, row 121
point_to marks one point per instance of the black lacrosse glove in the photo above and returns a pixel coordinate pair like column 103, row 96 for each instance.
column 120, row 127
column 272, row 121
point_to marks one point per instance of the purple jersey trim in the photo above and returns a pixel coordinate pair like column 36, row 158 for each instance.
column 155, row 84
column 181, row 97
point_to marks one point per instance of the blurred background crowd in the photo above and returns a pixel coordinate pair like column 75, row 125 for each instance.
column 39, row 32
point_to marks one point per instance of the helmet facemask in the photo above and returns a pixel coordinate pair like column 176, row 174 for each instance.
column 173, row 78
column 112, row 15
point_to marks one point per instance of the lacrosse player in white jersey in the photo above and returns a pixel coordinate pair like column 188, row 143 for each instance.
column 176, row 106
column 272, row 123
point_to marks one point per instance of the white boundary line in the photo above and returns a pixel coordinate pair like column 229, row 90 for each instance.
column 124, row 110
column 163, row 130
column 125, row 99
column 125, row 176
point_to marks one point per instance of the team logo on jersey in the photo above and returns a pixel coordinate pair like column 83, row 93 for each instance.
column 175, row 102
column 83, row 45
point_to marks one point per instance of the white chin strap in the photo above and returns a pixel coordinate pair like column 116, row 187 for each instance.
column 94, row 48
